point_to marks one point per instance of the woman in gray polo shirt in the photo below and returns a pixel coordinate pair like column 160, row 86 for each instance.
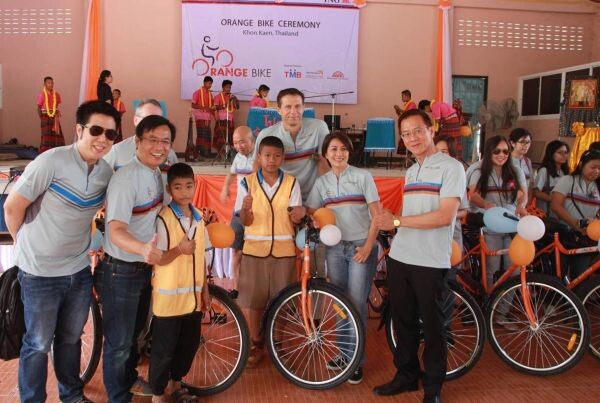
column 497, row 183
column 554, row 166
column 520, row 142
column 351, row 193
column 576, row 201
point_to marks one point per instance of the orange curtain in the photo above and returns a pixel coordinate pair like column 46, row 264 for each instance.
column 208, row 190
column 92, row 51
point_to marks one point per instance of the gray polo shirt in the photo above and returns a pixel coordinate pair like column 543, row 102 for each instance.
column 545, row 184
column 495, row 193
column 241, row 166
column 439, row 176
column 299, row 161
column 122, row 153
column 579, row 192
column 525, row 165
column 55, row 235
column 349, row 198
column 134, row 197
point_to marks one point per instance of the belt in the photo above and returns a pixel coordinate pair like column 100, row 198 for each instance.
column 141, row 265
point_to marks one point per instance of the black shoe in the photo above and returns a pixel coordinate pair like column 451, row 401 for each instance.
column 432, row 398
column 339, row 363
column 395, row 388
column 356, row 377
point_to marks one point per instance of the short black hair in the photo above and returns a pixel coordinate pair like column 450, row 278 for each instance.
column 339, row 135
column 180, row 170
column 595, row 146
column 518, row 133
column 48, row 78
column 226, row 82
column 407, row 92
column 423, row 104
column 289, row 91
column 103, row 75
column 151, row 122
column 263, row 87
column 118, row 90
column 416, row 112
column 89, row 108
column 271, row 141
column 208, row 79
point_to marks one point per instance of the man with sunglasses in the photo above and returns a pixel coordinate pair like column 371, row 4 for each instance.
column 122, row 279
column 123, row 152
column 49, row 214
column 419, row 258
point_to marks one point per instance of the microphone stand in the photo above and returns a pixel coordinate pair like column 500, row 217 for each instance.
column 332, row 95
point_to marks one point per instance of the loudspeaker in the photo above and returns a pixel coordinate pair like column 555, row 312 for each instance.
column 336, row 121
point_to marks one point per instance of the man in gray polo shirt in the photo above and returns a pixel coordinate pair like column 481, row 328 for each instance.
column 420, row 258
column 302, row 139
column 49, row 214
column 122, row 279
column 122, row 153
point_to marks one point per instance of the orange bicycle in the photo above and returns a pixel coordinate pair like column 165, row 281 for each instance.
column 535, row 324
column 586, row 286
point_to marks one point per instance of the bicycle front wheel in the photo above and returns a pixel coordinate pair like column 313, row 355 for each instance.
column 224, row 347
column 558, row 340
column 465, row 336
column 308, row 360
column 589, row 294
column 91, row 343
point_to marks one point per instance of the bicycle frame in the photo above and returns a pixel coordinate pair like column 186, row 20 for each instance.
column 483, row 251
column 558, row 248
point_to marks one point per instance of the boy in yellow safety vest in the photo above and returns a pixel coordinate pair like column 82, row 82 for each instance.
column 179, row 289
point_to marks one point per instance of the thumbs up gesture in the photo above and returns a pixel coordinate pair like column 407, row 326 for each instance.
column 247, row 202
column 150, row 252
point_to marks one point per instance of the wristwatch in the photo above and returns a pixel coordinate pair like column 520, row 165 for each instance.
column 396, row 222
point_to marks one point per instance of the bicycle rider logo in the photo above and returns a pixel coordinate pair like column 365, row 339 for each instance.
column 216, row 61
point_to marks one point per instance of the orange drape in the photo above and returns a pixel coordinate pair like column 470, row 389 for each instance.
column 208, row 190
column 94, row 48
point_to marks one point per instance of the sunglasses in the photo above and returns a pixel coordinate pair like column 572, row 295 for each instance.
column 498, row 151
column 111, row 134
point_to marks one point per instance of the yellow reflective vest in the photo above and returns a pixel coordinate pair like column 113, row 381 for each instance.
column 272, row 230
column 176, row 287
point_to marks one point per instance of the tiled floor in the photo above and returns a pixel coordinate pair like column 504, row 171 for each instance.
column 490, row 381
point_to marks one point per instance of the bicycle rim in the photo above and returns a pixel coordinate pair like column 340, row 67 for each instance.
column 560, row 338
column 303, row 358
column 91, row 343
column 223, row 351
column 465, row 333
column 589, row 293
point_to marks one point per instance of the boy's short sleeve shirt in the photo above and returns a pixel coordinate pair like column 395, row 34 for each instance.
column 299, row 156
column 134, row 197
column 55, row 235
column 440, row 176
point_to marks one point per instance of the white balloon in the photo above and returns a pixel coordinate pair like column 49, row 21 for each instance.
column 531, row 228
column 330, row 235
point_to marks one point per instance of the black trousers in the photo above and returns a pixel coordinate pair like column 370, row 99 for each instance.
column 174, row 344
column 419, row 292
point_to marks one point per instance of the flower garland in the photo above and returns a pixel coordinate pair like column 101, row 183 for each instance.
column 52, row 113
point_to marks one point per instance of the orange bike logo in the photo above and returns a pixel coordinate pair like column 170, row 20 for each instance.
column 214, row 61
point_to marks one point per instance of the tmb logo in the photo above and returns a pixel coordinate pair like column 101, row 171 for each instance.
column 292, row 73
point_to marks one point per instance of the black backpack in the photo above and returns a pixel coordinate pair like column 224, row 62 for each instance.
column 12, row 322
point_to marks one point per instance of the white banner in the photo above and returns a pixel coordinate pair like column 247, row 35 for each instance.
column 314, row 49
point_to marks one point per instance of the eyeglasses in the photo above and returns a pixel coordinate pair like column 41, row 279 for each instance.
column 416, row 132
column 524, row 142
column 111, row 134
column 154, row 141
column 500, row 150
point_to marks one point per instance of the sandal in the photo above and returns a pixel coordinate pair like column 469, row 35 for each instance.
column 183, row 395
column 256, row 354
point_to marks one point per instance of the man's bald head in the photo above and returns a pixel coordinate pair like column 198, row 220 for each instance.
column 243, row 140
column 145, row 108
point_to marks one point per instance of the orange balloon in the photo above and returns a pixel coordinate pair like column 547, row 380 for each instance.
column 593, row 230
column 324, row 216
column 220, row 235
column 456, row 254
column 521, row 251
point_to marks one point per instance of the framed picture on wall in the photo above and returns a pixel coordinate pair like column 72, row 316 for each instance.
column 583, row 93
